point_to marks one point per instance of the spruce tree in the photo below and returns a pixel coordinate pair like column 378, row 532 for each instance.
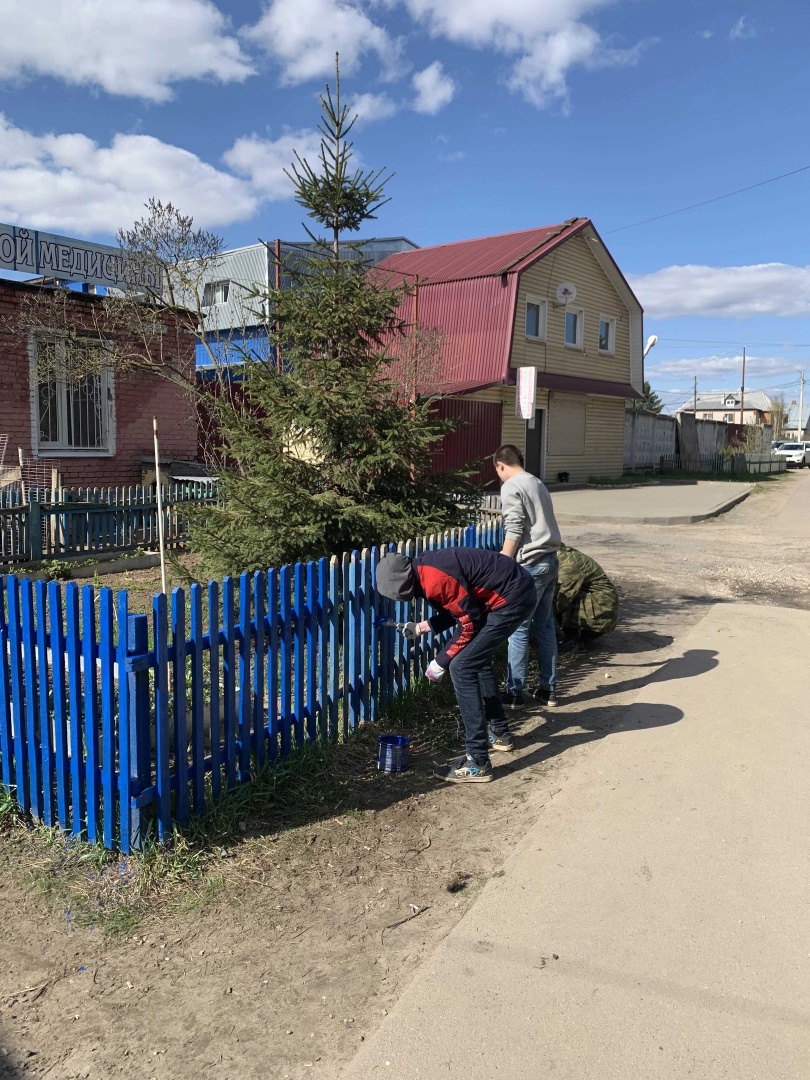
column 650, row 402
column 328, row 451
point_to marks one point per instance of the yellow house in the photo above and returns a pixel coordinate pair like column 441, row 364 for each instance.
column 551, row 300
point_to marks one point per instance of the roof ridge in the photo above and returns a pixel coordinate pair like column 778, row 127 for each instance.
column 478, row 239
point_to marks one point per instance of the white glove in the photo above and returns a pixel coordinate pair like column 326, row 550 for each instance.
column 434, row 671
column 410, row 631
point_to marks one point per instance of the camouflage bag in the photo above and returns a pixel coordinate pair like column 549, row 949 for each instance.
column 586, row 603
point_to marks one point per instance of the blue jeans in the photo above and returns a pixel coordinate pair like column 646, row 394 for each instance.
column 545, row 574
column 474, row 680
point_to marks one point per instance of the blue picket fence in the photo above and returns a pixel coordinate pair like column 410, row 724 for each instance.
column 116, row 725
column 87, row 521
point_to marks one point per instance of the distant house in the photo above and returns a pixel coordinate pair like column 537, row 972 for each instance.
column 792, row 427
column 551, row 300
column 725, row 406
column 95, row 430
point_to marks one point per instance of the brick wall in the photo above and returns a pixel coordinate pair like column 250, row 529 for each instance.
column 138, row 397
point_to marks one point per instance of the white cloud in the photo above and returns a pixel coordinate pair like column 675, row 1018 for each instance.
column 136, row 49
column 548, row 37
column 454, row 155
column 742, row 28
column 69, row 183
column 370, row 107
column 304, row 35
column 263, row 161
column 736, row 291
column 706, row 34
column 707, row 366
column 434, row 89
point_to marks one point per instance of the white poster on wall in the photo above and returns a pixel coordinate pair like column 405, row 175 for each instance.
column 526, row 394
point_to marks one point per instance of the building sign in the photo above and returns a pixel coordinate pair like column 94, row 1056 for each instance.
column 44, row 254
column 526, row 394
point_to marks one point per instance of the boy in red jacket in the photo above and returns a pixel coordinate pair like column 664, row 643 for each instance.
column 487, row 596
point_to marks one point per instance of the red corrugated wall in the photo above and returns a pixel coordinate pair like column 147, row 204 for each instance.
column 478, row 437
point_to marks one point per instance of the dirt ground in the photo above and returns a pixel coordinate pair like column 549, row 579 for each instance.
column 288, row 949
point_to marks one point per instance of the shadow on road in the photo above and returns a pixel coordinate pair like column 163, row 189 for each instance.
column 9, row 1069
column 693, row 663
column 600, row 721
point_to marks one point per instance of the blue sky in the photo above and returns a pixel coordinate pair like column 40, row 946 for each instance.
column 493, row 115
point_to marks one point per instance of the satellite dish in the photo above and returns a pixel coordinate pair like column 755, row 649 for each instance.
column 566, row 292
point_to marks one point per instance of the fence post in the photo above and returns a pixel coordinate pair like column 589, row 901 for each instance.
column 35, row 530
column 138, row 722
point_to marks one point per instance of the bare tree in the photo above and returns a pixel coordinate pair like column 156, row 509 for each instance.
column 146, row 324
column 779, row 415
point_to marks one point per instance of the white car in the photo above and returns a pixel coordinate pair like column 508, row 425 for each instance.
column 794, row 453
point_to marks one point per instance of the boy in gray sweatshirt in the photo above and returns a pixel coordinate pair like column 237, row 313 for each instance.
column 532, row 537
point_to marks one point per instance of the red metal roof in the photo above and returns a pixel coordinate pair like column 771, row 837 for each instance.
column 485, row 257
column 468, row 291
column 475, row 319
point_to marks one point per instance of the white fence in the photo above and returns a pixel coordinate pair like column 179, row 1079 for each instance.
column 649, row 438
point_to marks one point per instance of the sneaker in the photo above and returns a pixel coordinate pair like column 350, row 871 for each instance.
column 503, row 742
column 464, row 770
column 545, row 697
column 512, row 701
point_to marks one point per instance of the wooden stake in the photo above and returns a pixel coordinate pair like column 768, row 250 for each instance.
column 161, row 539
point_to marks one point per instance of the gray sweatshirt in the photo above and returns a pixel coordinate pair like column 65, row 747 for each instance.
column 528, row 517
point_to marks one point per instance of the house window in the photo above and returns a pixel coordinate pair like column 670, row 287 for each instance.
column 729, row 417
column 707, row 416
column 574, row 325
column 74, row 412
column 607, row 334
column 535, row 318
column 215, row 292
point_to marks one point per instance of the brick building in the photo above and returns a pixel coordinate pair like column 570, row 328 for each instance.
column 95, row 429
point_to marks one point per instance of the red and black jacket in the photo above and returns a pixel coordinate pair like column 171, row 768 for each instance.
column 466, row 584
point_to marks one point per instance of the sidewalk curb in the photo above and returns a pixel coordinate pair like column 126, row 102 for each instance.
column 691, row 519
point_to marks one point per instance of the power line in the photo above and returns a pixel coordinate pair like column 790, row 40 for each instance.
column 750, row 344
column 706, row 202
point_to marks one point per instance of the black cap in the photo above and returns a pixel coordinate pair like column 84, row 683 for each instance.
column 395, row 576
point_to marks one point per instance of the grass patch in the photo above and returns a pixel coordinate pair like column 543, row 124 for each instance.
column 731, row 478
column 88, row 886
column 621, row 481
column 677, row 475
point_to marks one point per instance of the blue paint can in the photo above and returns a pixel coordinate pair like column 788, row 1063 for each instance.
column 392, row 753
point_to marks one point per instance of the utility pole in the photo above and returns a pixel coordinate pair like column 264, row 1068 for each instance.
column 742, row 392
column 696, row 397
column 799, row 424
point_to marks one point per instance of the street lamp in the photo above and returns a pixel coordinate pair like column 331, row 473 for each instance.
column 652, row 341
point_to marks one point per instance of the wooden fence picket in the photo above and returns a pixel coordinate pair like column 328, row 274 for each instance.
column 180, row 727
column 285, row 643
column 44, row 674
column 272, row 665
column 298, row 617
column 311, row 651
column 109, row 792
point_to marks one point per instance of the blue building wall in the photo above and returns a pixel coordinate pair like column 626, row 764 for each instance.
column 231, row 350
